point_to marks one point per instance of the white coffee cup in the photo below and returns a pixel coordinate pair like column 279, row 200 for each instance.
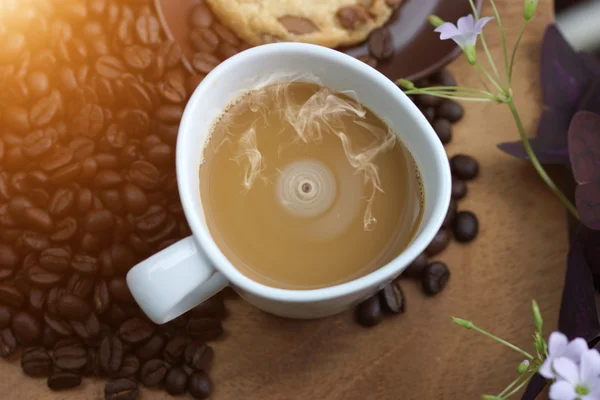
column 192, row 270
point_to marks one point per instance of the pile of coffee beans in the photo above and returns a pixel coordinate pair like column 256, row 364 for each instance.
column 463, row 226
column 92, row 95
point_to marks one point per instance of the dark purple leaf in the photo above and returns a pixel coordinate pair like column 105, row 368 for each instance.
column 534, row 388
column 587, row 200
column 584, row 146
column 565, row 75
column 590, row 240
column 591, row 100
column 591, row 62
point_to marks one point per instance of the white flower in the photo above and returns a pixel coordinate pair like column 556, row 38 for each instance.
column 559, row 346
column 577, row 382
column 465, row 32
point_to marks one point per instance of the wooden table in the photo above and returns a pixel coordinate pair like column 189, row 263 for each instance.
column 519, row 256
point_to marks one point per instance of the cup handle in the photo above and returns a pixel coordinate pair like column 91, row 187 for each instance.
column 174, row 281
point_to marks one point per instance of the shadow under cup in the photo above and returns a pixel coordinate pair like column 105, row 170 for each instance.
column 338, row 71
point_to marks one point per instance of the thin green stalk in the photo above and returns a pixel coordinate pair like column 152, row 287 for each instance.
column 537, row 165
column 502, row 37
column 490, row 78
column 521, row 385
column 453, row 93
column 483, row 42
column 514, row 54
column 456, row 88
column 444, row 96
column 513, row 383
column 504, row 342
column 478, row 73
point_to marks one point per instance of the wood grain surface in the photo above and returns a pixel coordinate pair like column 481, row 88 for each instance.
column 520, row 255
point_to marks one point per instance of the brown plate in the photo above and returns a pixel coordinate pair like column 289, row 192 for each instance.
column 419, row 51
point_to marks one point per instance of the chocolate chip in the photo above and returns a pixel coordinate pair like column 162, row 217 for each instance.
column 381, row 44
column 352, row 17
column 435, row 278
column 368, row 313
column 392, row 298
column 464, row 167
column 465, row 226
column 440, row 242
column 298, row 25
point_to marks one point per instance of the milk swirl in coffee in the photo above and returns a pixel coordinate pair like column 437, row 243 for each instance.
column 303, row 187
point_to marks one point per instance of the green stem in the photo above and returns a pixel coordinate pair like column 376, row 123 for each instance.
column 514, row 53
column 451, row 97
column 537, row 165
column 502, row 38
column 504, row 342
column 513, row 383
column 453, row 93
column 456, row 89
column 490, row 78
column 484, row 44
column 478, row 72
column 521, row 385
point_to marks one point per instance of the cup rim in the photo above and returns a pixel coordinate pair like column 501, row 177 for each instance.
column 200, row 231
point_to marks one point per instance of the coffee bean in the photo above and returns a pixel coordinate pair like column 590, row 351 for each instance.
column 6, row 314
column 121, row 389
column 152, row 219
column 138, row 57
column 80, row 285
column 101, row 299
column 111, row 354
column 415, row 269
column 148, row 28
column 459, row 189
column 201, row 16
column 381, row 44
column 36, row 362
column 199, row 385
column 169, row 113
column 89, row 122
column 58, row 326
column 435, row 278
column 465, row 226
column 135, row 330
column 152, row 348
column 8, row 258
column 153, row 373
column 443, row 129
column 49, row 337
column 129, row 367
column 27, row 328
column 8, row 343
column 439, row 243
column 45, row 109
column 203, row 62
column 464, row 167
column 32, row 241
column 17, row 118
column 429, row 113
column 174, row 350
column 63, row 380
column 198, row 356
column 392, row 298
column 72, row 307
column 368, row 313
column 444, row 78
column 11, row 296
column 64, row 230
column 66, row 174
column 70, row 358
column 109, row 67
column 37, row 300
column 176, row 381
column 144, row 175
column 38, row 142
column 172, row 91
column 107, row 179
column 98, row 221
column 88, row 329
column 92, row 366
column 38, row 84
column 451, row 110
column 134, row 199
column 204, row 328
column 137, row 96
column 38, row 219
column 451, row 214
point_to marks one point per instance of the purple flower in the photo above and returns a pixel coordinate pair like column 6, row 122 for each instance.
column 465, row 32
column 560, row 347
column 577, row 382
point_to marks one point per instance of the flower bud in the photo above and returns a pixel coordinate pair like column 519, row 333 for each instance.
column 435, row 20
column 463, row 322
column 522, row 368
column 537, row 316
column 408, row 85
column 530, row 7
column 471, row 54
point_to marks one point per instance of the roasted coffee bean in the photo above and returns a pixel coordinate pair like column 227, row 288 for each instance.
column 174, row 350
column 67, row 342
column 147, row 28
column 198, row 356
column 381, row 44
column 368, row 313
column 152, row 348
column 87, row 329
column 107, row 179
column 8, row 258
column 45, row 109
column 39, row 277
column 201, row 16
column 36, row 362
column 62, row 202
column 53, row 295
column 17, row 118
column 118, row 289
column 465, row 226
column 204, row 328
column 92, row 366
column 172, row 91
column 176, row 381
column 429, row 113
column 70, row 358
column 440, row 242
column 451, row 110
column 11, row 296
column 138, row 57
column 144, row 175
column 451, row 214
column 60, row 380
column 107, row 266
column 204, row 40
column 98, row 221
column 370, row 61
column 134, row 199
column 111, row 354
column 153, row 373
column 427, row 100
column 129, row 367
column 392, row 298
column 37, row 300
column 464, row 167
column 8, row 343
column 6, row 314
column 65, row 230
column 213, row 307
column 38, row 219
column 59, row 326
column 444, row 78
column 27, row 328
column 36, row 179
column 121, row 389
column 203, row 63
column 415, row 269
column 101, row 299
column 435, row 277
column 459, row 189
column 66, row 174
column 199, row 385
column 73, row 307
column 136, row 330
column 80, row 285
column 443, row 129
column 38, row 84
column 17, row 206
column 49, row 337
column 152, row 219
column 110, row 67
